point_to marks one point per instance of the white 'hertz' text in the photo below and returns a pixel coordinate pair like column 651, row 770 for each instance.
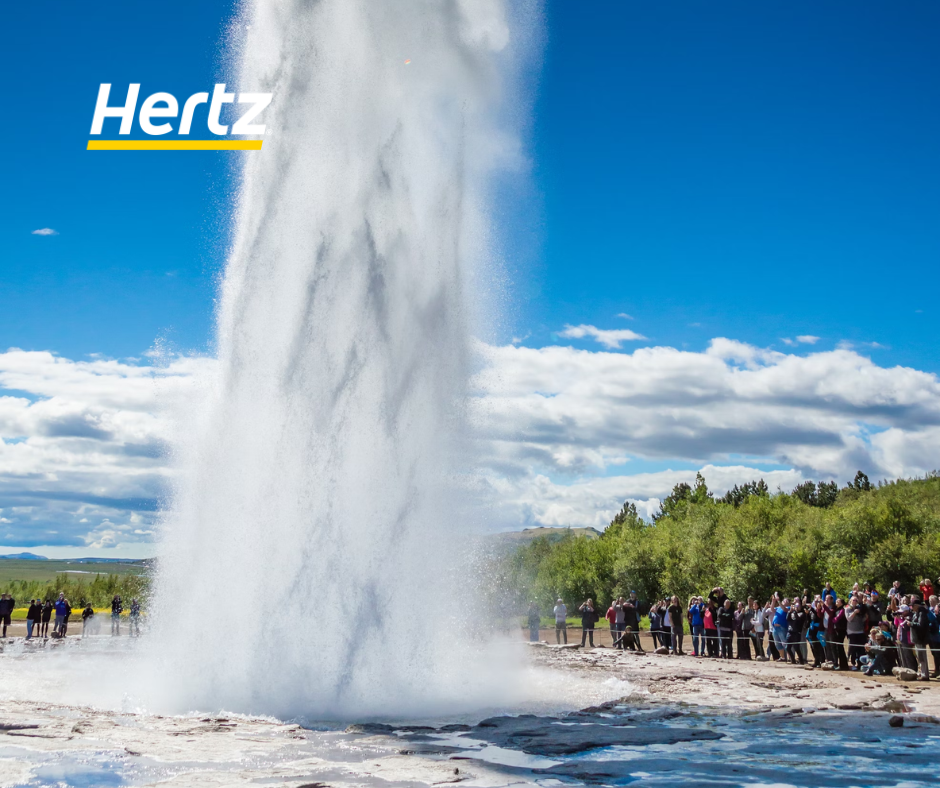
column 164, row 107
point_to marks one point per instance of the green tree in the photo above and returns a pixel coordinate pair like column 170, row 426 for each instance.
column 749, row 541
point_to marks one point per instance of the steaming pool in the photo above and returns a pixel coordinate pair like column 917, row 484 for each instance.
column 74, row 717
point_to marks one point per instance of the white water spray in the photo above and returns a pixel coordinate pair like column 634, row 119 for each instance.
column 307, row 562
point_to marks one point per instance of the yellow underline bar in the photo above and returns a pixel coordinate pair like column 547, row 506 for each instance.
column 174, row 144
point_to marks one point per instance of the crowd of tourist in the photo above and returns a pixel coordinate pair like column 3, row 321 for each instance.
column 41, row 613
column 898, row 629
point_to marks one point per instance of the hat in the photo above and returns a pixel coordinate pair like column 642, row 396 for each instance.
column 905, row 608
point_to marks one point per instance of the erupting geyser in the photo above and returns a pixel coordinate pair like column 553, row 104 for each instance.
column 307, row 559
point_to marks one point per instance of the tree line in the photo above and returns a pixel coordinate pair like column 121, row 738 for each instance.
column 98, row 591
column 749, row 541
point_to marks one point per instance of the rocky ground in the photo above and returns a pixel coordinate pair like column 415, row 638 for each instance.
column 746, row 685
column 45, row 744
column 683, row 718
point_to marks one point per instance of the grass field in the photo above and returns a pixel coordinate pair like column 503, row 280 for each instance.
column 45, row 571
column 96, row 583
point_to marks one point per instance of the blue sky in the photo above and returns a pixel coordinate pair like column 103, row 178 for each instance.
column 761, row 169
column 141, row 236
column 754, row 171
column 748, row 170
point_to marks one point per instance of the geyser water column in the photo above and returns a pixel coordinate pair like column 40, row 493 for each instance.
column 307, row 561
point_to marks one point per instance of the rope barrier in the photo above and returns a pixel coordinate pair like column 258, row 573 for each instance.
column 805, row 638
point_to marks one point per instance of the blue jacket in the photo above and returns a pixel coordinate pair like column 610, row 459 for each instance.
column 697, row 611
column 934, row 626
column 61, row 607
column 780, row 617
column 828, row 592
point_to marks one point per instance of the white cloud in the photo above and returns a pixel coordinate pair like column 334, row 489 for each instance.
column 45, row 231
column 625, row 316
column 534, row 499
column 108, row 535
column 84, row 458
column 84, row 441
column 807, row 339
column 844, row 344
column 570, row 415
column 610, row 339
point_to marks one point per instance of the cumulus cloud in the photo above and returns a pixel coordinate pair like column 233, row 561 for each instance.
column 807, row 339
column 572, row 415
column 608, row 338
column 844, row 344
column 84, row 442
column 565, row 435
column 536, row 500
column 45, row 231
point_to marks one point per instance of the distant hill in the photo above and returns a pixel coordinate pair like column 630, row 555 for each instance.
column 552, row 534
column 110, row 560
column 36, row 569
column 34, row 557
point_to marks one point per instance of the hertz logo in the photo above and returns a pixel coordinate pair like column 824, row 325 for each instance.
column 164, row 106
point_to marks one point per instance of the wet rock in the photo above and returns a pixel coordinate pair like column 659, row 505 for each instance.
column 904, row 674
column 928, row 718
column 661, row 650
column 888, row 703
column 379, row 728
column 896, row 721
column 370, row 728
column 591, row 772
column 552, row 736
column 606, row 706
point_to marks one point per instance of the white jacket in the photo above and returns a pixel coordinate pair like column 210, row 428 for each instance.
column 757, row 620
